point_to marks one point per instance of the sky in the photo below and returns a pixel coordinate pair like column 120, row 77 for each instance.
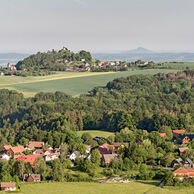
column 96, row 25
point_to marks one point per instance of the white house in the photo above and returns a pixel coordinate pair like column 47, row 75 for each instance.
column 75, row 155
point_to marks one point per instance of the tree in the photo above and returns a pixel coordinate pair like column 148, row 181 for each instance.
column 57, row 170
column 126, row 120
column 95, row 157
column 19, row 168
column 40, row 167
column 63, row 152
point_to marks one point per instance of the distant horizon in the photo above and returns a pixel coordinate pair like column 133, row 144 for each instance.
column 100, row 51
column 96, row 25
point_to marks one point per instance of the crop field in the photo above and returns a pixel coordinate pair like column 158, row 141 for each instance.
column 95, row 133
column 140, row 187
column 71, row 83
column 180, row 65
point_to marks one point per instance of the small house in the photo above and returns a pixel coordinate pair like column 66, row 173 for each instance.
column 31, row 178
column 107, row 158
column 35, row 144
column 8, row 186
column 181, row 150
column 185, row 139
column 118, row 145
column 75, row 155
column 178, row 161
column 177, row 133
column 189, row 172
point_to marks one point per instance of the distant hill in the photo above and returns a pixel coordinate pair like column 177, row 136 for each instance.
column 145, row 55
column 139, row 50
column 11, row 57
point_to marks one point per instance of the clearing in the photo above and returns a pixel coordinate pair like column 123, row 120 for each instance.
column 134, row 187
column 95, row 133
column 72, row 83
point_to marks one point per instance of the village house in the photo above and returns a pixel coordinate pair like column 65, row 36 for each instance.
column 8, row 186
column 162, row 134
column 4, row 157
column 107, row 158
column 188, row 172
column 188, row 163
column 51, row 157
column 14, row 152
column 181, row 150
column 75, row 155
column 178, row 161
column 186, row 138
column 118, row 145
column 4, row 149
column 31, row 178
column 29, row 158
column 35, row 145
column 177, row 133
column 88, row 149
column 103, row 151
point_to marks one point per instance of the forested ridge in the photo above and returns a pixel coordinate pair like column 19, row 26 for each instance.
column 159, row 102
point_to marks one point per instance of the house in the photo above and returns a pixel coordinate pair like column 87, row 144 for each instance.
column 29, row 158
column 107, row 146
column 104, row 151
column 56, row 150
column 178, row 161
column 162, row 134
column 35, row 144
column 188, row 163
column 4, row 157
column 31, row 178
column 51, row 157
column 75, row 155
column 177, row 133
column 8, row 186
column 38, row 152
column 189, row 172
column 107, row 158
column 88, row 149
column 186, row 138
column 181, row 150
column 4, row 149
column 13, row 152
column 118, row 145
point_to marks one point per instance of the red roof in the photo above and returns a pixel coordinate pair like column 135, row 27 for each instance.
column 7, row 147
column 29, row 158
column 184, row 172
column 178, row 131
column 105, row 145
column 36, row 144
column 18, row 149
column 162, row 134
column 8, row 184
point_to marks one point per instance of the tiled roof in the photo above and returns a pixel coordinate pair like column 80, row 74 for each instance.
column 18, row 149
column 184, row 171
column 29, row 158
column 105, row 145
column 178, row 131
column 109, row 157
column 162, row 134
column 8, row 184
column 7, row 147
column 181, row 150
column 190, row 136
column 36, row 144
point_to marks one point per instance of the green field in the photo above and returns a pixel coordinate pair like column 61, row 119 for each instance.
column 72, row 83
column 95, row 133
column 180, row 65
column 140, row 187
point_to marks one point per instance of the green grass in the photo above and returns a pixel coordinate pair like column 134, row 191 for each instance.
column 95, row 133
column 180, row 65
column 147, row 187
column 71, row 83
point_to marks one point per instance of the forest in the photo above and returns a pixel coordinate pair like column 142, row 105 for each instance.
column 150, row 102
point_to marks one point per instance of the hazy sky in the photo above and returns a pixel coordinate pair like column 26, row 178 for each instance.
column 96, row 25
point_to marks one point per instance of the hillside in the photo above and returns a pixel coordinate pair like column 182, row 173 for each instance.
column 170, row 99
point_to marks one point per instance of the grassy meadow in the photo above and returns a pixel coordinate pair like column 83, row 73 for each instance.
column 72, row 83
column 180, row 65
column 137, row 187
column 95, row 133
